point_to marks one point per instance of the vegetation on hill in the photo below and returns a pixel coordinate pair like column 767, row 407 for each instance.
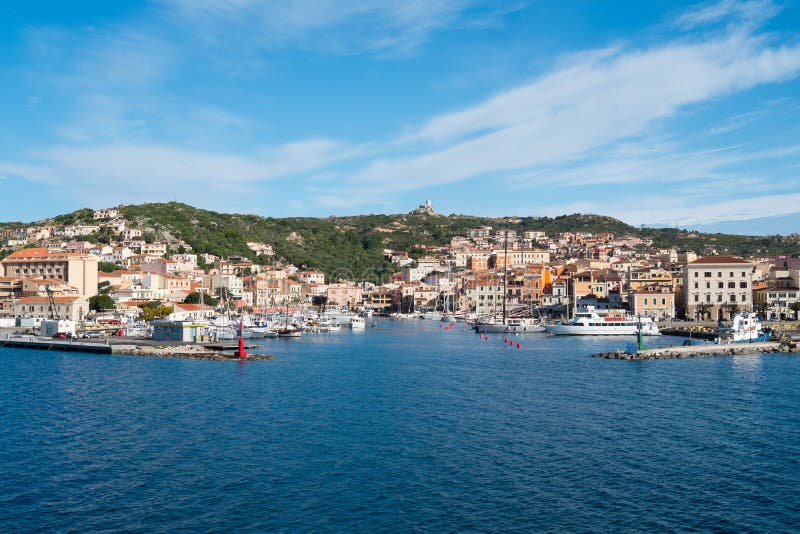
column 352, row 247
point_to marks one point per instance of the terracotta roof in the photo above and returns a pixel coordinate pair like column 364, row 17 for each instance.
column 62, row 300
column 189, row 307
column 718, row 260
column 35, row 254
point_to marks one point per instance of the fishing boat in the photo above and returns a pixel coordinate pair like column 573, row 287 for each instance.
column 358, row 323
column 745, row 328
column 589, row 323
column 288, row 331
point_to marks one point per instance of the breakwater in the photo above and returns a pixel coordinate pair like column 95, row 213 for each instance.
column 699, row 351
column 132, row 348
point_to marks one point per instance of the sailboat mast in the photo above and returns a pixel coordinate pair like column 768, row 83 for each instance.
column 505, row 272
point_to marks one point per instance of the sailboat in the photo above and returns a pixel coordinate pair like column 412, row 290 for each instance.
column 289, row 331
column 507, row 324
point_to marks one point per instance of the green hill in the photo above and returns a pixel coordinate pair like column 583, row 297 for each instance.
column 352, row 247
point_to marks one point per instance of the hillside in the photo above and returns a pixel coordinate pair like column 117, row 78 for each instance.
column 352, row 246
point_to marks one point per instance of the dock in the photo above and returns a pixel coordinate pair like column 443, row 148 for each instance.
column 132, row 347
column 701, row 351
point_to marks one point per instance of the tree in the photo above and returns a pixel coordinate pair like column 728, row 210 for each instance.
column 104, row 287
column 101, row 302
column 194, row 298
column 319, row 301
column 154, row 310
column 795, row 307
column 106, row 266
column 104, row 236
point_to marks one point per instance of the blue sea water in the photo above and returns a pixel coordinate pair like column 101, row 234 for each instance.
column 401, row 427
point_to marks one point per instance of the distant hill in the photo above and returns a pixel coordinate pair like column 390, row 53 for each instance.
column 352, row 246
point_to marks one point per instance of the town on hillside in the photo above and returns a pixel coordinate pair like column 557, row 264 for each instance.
column 54, row 270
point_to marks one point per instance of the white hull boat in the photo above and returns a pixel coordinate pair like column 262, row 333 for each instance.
column 511, row 326
column 592, row 324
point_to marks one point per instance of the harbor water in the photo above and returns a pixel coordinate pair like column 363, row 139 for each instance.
column 401, row 427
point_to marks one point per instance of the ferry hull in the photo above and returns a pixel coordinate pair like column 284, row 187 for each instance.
column 576, row 330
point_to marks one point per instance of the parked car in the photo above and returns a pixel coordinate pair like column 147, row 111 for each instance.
column 92, row 335
column 62, row 335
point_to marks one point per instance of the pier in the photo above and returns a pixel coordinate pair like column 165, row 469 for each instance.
column 133, row 347
column 701, row 351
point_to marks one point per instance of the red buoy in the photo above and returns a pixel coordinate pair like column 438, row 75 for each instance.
column 518, row 346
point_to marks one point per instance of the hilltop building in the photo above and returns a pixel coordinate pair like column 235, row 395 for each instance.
column 424, row 209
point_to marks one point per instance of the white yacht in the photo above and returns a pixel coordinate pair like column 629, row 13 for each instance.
column 589, row 323
column 358, row 323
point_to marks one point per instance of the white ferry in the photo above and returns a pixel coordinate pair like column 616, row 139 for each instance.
column 591, row 324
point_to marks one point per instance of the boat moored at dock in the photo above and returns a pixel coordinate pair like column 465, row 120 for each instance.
column 589, row 323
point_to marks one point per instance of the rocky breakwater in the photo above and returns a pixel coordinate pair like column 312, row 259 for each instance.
column 190, row 352
column 700, row 351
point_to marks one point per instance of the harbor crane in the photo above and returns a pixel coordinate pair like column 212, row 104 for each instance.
column 52, row 302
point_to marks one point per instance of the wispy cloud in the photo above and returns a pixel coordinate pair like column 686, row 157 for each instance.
column 569, row 113
column 737, row 121
column 327, row 26
column 166, row 172
column 748, row 13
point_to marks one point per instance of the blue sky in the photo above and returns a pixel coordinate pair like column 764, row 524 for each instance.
column 657, row 113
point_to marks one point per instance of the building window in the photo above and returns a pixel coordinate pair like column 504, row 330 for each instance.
column 708, row 285
column 645, row 301
column 663, row 302
column 696, row 298
column 696, row 274
column 744, row 297
column 696, row 285
column 743, row 285
column 708, row 298
column 719, row 298
column 733, row 298
column 720, row 285
column 731, row 274
column 731, row 285
column 719, row 274
column 707, row 274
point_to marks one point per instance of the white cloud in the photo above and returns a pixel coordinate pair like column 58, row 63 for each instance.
column 149, row 170
column 714, row 211
column 749, row 12
column 571, row 112
column 330, row 26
